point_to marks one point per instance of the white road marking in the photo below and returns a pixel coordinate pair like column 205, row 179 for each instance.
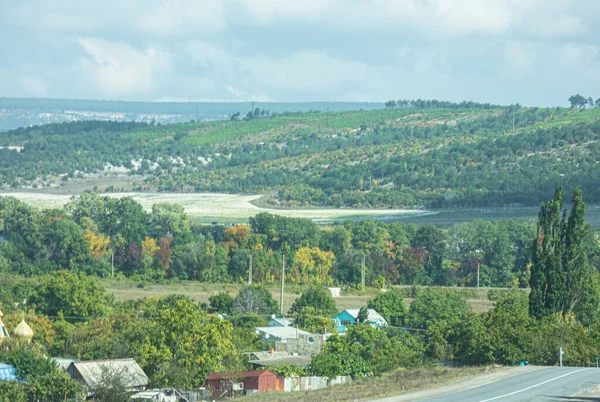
column 534, row 386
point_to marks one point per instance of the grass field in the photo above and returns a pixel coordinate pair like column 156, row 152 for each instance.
column 397, row 382
column 129, row 290
column 209, row 207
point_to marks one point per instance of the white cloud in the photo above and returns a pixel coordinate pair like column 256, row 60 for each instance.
column 182, row 17
column 117, row 69
column 519, row 57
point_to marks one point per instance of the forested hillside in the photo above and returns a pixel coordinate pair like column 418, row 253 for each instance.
column 432, row 154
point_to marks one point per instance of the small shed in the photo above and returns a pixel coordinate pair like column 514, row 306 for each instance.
column 93, row 372
column 256, row 380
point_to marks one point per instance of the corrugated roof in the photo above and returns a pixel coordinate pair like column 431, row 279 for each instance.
column 285, row 322
column 301, row 361
column 92, row 371
column 64, row 363
column 282, row 332
column 266, row 355
column 8, row 373
column 232, row 375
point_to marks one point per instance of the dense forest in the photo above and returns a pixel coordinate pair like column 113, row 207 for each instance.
column 105, row 236
column 414, row 154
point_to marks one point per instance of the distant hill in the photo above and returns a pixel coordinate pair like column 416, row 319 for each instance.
column 426, row 156
column 21, row 112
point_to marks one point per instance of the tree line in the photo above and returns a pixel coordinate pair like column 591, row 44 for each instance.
column 581, row 101
column 106, row 236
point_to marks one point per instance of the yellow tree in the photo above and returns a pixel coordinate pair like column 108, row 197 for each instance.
column 98, row 243
column 312, row 265
column 150, row 247
column 238, row 234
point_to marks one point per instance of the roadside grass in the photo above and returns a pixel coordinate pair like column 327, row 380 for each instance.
column 394, row 383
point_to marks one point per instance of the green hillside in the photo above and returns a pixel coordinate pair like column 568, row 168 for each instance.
column 463, row 155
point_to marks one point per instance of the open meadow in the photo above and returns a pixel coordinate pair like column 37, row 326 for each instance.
column 213, row 207
column 130, row 290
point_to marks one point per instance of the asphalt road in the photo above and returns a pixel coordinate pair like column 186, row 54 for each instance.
column 551, row 384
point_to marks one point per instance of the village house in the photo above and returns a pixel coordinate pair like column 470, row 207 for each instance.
column 350, row 317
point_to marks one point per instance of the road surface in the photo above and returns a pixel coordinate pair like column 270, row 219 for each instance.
column 545, row 385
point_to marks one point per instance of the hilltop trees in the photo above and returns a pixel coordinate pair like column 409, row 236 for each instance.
column 580, row 101
column 560, row 267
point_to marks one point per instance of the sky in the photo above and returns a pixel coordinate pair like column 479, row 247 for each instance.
column 532, row 52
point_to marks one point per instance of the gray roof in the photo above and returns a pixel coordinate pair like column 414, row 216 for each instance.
column 91, row 372
column 64, row 363
column 284, row 322
column 282, row 333
column 266, row 355
column 301, row 361
column 373, row 315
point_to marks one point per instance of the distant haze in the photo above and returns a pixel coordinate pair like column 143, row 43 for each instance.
column 15, row 112
column 533, row 52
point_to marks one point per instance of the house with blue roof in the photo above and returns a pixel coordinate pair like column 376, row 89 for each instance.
column 350, row 317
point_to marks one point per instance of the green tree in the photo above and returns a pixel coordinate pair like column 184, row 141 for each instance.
column 317, row 297
column 335, row 364
column 560, row 267
column 436, row 305
column 391, row 306
column 221, row 303
column 578, row 101
column 70, row 295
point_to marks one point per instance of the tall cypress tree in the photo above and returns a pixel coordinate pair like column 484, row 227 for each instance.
column 560, row 262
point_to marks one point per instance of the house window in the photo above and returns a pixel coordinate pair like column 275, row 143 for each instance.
column 345, row 323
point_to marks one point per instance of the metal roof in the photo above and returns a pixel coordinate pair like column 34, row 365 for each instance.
column 373, row 316
column 301, row 361
column 282, row 333
column 245, row 374
column 265, row 355
column 284, row 322
column 92, row 371
column 64, row 363
column 8, row 373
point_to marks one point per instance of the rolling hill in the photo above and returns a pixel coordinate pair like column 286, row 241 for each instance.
column 455, row 155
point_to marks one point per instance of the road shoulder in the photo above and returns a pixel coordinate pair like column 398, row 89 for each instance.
column 460, row 385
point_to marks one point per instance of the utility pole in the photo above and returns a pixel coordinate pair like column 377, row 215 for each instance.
column 561, row 352
column 112, row 270
column 362, row 271
column 477, row 275
column 514, row 115
column 282, row 281
column 250, row 270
